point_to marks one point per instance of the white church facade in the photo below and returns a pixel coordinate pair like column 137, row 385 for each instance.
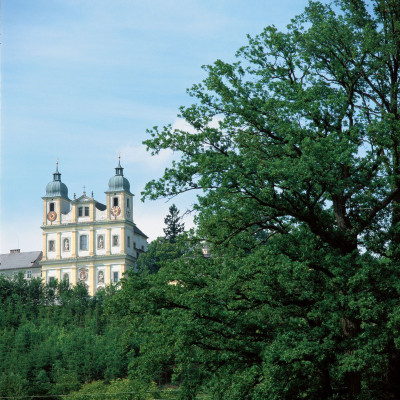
column 87, row 241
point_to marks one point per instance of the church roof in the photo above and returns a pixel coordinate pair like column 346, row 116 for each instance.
column 139, row 232
column 56, row 188
column 118, row 182
column 17, row 260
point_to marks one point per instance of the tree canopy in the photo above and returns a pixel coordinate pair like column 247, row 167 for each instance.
column 295, row 154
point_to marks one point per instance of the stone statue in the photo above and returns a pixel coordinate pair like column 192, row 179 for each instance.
column 100, row 243
column 66, row 245
column 100, row 277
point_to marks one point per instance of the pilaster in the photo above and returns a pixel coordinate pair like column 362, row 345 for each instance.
column 91, row 242
column 123, row 240
column 108, row 242
column 92, row 289
column 44, row 212
column 108, row 207
column 44, row 247
column 91, row 212
column 107, row 280
column 73, row 212
column 58, row 246
column 73, row 244
column 123, row 206
column 73, row 275
column 58, row 208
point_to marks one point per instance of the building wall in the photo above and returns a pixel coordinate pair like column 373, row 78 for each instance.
column 29, row 273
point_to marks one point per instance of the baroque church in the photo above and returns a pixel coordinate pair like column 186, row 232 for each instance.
column 87, row 241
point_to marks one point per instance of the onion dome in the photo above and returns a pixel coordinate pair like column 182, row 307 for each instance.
column 57, row 188
column 118, row 182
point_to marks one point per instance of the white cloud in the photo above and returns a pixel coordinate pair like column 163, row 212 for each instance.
column 137, row 154
column 182, row 125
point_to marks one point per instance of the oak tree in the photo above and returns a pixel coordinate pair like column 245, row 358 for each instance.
column 295, row 155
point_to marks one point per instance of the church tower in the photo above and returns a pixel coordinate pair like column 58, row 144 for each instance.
column 87, row 241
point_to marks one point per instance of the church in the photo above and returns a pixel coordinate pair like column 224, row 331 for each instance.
column 87, row 241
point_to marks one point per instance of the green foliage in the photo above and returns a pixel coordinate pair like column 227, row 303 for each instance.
column 295, row 155
column 160, row 252
column 55, row 338
column 173, row 227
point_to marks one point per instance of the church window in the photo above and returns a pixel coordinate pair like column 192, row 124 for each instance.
column 129, row 241
column 29, row 274
column 52, row 246
column 115, row 240
column 115, row 277
column 51, row 206
column 86, row 211
column 127, row 203
column 115, row 201
column 80, row 211
column 52, row 279
column 83, row 242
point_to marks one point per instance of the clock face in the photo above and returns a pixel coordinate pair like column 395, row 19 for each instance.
column 51, row 216
column 115, row 211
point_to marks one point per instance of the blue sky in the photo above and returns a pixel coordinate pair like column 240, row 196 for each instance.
column 82, row 80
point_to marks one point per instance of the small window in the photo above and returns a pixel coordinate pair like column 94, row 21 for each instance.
column 83, row 242
column 127, row 203
column 52, row 279
column 66, row 278
column 129, row 241
column 115, row 277
column 80, row 211
column 29, row 274
column 51, row 206
column 115, row 240
column 86, row 211
column 115, row 201
column 142, row 247
column 52, row 245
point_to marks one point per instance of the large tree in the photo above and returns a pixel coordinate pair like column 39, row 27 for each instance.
column 299, row 174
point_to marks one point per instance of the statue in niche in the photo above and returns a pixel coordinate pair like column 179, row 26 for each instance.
column 66, row 277
column 83, row 274
column 66, row 244
column 115, row 240
column 100, row 242
column 51, row 245
column 100, row 277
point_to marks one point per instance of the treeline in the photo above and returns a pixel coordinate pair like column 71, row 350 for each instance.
column 54, row 339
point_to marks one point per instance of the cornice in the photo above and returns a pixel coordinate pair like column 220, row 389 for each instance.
column 88, row 224
column 89, row 259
